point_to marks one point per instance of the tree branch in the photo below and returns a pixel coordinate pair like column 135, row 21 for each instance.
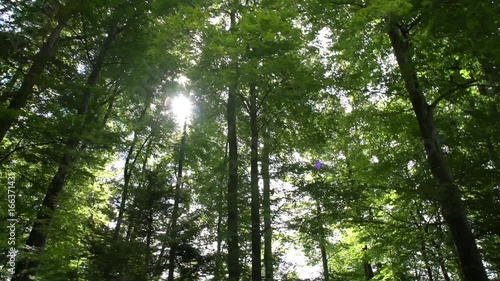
column 452, row 91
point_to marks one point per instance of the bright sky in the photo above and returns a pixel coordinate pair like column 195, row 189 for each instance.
column 182, row 109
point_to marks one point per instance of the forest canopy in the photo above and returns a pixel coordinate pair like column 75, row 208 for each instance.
column 250, row 140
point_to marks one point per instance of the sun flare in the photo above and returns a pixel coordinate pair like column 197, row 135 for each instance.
column 181, row 109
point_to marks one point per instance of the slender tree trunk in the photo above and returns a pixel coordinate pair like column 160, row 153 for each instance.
column 441, row 260
column 127, row 173
column 322, row 243
column 38, row 235
column 268, row 230
column 428, row 267
column 419, row 219
column 150, row 219
column 20, row 98
column 444, row 271
column 175, row 212
column 218, row 255
column 149, row 236
column 324, row 260
column 254, row 186
column 220, row 211
column 233, row 257
column 130, row 234
column 158, row 270
column 449, row 194
column 130, row 227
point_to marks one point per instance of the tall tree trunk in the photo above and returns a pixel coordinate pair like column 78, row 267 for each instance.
column 233, row 257
column 420, row 221
column 158, row 272
column 254, row 186
column 268, row 230
column 127, row 172
column 322, row 243
column 449, row 194
column 428, row 267
column 367, row 267
column 175, row 212
column 441, row 260
column 20, row 98
column 130, row 228
column 220, row 215
column 38, row 235
column 444, row 271
column 218, row 254
column 149, row 236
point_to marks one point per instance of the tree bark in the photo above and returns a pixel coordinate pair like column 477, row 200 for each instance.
column 130, row 228
column 20, row 98
column 218, row 254
column 175, row 212
column 233, row 257
column 149, row 237
column 428, row 267
column 38, row 235
column 449, row 194
column 424, row 228
column 322, row 244
column 127, row 172
column 268, row 230
column 254, row 186
column 367, row 267
column 441, row 260
column 158, row 268
column 46, row 51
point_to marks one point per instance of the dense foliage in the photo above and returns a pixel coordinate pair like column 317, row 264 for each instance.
column 359, row 134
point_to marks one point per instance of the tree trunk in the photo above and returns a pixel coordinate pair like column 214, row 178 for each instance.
column 158, row 268
column 218, row 255
column 254, row 186
column 441, row 260
column 449, row 194
column 149, row 236
column 233, row 257
column 130, row 228
column 419, row 219
column 175, row 212
column 322, row 243
column 268, row 230
column 20, row 98
column 220, row 211
column 367, row 267
column 444, row 271
column 428, row 267
column 38, row 235
column 127, row 172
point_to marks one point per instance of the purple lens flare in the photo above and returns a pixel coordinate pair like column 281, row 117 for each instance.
column 318, row 165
